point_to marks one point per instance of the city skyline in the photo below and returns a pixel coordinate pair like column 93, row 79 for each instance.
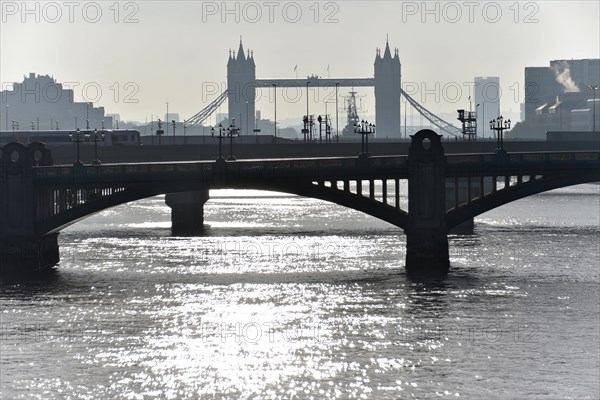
column 151, row 67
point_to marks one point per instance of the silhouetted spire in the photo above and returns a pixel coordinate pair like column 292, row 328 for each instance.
column 241, row 51
column 387, row 53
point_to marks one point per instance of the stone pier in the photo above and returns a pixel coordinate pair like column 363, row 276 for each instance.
column 426, row 233
column 187, row 211
column 22, row 249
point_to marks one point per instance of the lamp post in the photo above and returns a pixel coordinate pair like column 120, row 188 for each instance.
column 77, row 140
column 477, row 118
column 275, row 119
column 7, row 117
column 499, row 125
column 159, row 131
column 337, row 131
column 184, row 139
column 593, row 88
column 173, row 122
column 307, row 114
column 364, row 128
column 167, row 118
column 320, row 119
column 96, row 160
column 232, row 132
column 220, row 136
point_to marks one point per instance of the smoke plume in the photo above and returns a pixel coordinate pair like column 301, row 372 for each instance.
column 562, row 74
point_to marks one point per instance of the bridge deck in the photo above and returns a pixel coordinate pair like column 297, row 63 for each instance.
column 333, row 168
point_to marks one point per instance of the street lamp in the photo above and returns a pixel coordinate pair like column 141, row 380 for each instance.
column 337, row 130
column 96, row 161
column 77, row 140
column 220, row 136
column 499, row 125
column 275, row 99
column 307, row 114
column 477, row 118
column 167, row 118
column 593, row 88
column 232, row 132
column 173, row 122
column 159, row 131
column 365, row 129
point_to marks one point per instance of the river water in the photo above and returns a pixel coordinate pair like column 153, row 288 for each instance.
column 293, row 298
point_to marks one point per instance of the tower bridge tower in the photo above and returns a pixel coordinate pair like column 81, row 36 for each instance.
column 241, row 83
column 387, row 93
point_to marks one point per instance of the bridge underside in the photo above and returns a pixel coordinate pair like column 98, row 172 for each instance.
column 72, row 204
column 492, row 191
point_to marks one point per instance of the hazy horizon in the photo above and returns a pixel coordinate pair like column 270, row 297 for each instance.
column 147, row 53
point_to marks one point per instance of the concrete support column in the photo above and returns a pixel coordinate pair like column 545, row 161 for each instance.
column 426, row 233
column 22, row 249
column 187, row 211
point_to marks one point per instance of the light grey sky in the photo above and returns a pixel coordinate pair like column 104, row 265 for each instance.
column 174, row 51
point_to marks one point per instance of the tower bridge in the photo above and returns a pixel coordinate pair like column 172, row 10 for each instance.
column 38, row 199
column 242, row 84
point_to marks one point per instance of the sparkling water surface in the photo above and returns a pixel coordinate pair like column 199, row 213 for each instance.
column 285, row 297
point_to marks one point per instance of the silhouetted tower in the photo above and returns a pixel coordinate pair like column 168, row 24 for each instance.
column 387, row 93
column 241, row 86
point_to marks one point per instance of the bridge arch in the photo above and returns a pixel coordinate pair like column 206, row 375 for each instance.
column 385, row 212
column 509, row 194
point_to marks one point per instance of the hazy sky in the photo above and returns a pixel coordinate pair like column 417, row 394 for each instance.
column 142, row 54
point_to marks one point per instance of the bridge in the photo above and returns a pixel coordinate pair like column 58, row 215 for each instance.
column 38, row 199
column 242, row 84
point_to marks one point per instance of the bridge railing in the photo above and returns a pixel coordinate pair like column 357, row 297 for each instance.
column 541, row 157
column 309, row 167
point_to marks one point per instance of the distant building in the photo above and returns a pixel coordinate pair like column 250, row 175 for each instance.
column 387, row 93
column 558, row 98
column 241, row 83
column 487, row 95
column 42, row 102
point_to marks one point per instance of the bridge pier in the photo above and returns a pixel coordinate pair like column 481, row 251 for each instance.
column 22, row 248
column 24, row 254
column 187, row 211
column 426, row 232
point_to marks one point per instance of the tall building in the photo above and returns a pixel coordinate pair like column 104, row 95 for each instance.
column 43, row 102
column 487, row 95
column 241, row 84
column 387, row 93
column 558, row 97
column 544, row 84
